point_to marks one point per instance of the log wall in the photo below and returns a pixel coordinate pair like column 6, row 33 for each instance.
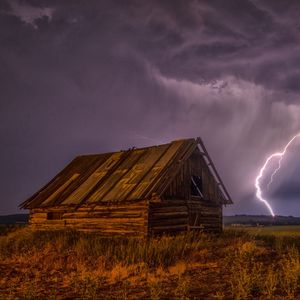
column 204, row 216
column 168, row 216
column 172, row 216
column 107, row 219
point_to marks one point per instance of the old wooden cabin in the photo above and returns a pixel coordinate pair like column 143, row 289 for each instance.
column 160, row 189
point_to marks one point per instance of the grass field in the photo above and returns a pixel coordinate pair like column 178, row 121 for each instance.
column 288, row 230
column 239, row 264
column 5, row 229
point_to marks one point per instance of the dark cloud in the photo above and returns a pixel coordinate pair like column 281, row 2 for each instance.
column 28, row 14
column 288, row 191
column 80, row 77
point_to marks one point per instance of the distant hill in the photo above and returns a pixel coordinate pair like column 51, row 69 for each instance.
column 260, row 220
column 14, row 219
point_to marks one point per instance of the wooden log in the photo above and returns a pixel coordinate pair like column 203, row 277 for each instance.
column 163, row 222
column 99, row 215
column 106, row 221
column 168, row 210
column 163, row 215
column 41, row 215
column 166, row 203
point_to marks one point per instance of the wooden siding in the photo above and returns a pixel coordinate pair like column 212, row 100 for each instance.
column 200, row 213
column 168, row 217
column 173, row 216
column 198, row 166
column 205, row 213
column 204, row 216
column 116, row 219
column 179, row 188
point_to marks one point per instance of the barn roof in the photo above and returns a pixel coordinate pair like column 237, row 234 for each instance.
column 117, row 176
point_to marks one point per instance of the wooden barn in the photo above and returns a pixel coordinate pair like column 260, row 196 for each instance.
column 160, row 189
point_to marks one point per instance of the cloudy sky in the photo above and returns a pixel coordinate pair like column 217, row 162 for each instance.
column 81, row 77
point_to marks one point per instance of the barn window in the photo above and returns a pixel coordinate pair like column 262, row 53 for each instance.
column 196, row 186
column 54, row 215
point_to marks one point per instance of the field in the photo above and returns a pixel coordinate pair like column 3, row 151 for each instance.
column 242, row 263
column 289, row 230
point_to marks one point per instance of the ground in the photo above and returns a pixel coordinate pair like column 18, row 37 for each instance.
column 241, row 263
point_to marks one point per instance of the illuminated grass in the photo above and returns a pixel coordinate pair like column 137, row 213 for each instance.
column 239, row 264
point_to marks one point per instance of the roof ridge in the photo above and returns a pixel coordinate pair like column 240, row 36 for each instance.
column 135, row 148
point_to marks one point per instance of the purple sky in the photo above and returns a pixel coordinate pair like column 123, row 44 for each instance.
column 80, row 77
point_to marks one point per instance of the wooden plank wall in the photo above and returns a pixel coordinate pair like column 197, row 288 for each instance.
column 204, row 216
column 107, row 219
column 200, row 213
column 172, row 216
column 204, row 213
column 168, row 216
column 180, row 186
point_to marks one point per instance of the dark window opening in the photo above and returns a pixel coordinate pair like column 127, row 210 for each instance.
column 54, row 215
column 196, row 186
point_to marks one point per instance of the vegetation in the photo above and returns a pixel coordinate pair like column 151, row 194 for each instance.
column 7, row 228
column 253, row 220
column 68, row 264
column 290, row 230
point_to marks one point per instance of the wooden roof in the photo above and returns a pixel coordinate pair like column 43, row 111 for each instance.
column 118, row 176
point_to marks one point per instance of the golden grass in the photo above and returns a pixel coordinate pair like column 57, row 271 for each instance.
column 68, row 264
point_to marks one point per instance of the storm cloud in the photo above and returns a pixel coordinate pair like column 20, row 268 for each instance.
column 87, row 77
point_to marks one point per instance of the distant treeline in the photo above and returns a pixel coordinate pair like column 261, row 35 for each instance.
column 14, row 219
column 228, row 220
column 260, row 220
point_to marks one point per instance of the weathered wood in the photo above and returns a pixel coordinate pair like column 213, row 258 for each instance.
column 175, row 209
column 103, row 215
column 167, row 222
column 139, row 192
column 121, row 219
column 164, row 215
column 168, row 202
column 168, row 216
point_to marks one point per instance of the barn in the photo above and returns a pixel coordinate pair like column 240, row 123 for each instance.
column 160, row 189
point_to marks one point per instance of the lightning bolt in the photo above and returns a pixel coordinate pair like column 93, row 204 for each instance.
column 261, row 172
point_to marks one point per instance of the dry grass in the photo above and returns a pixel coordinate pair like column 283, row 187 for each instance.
column 271, row 281
column 58, row 265
column 290, row 272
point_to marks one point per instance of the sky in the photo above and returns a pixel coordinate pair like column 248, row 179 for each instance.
column 80, row 77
